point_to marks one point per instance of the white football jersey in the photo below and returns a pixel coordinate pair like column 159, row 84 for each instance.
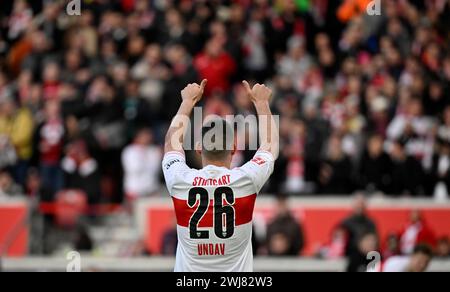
column 214, row 210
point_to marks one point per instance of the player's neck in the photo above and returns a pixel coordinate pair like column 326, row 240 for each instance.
column 218, row 163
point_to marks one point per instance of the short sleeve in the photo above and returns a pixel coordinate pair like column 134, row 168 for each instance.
column 259, row 168
column 174, row 168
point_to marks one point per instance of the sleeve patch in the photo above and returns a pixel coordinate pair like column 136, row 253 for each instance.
column 259, row 160
column 170, row 163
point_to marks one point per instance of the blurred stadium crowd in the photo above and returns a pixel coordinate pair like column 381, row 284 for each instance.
column 364, row 101
column 356, row 236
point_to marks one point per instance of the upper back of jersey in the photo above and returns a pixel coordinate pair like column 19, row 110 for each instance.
column 214, row 210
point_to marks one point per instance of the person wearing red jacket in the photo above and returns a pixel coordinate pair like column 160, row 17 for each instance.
column 416, row 232
column 215, row 65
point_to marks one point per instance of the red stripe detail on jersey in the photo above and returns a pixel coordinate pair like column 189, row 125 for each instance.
column 243, row 211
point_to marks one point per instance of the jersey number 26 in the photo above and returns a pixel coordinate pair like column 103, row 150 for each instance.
column 223, row 214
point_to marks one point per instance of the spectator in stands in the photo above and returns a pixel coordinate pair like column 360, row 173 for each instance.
column 294, row 152
column 49, row 142
column 141, row 163
column 7, row 185
column 439, row 175
column 19, row 19
column 336, row 247
column 357, row 261
column 296, row 64
column 416, row 232
column 8, row 155
column 174, row 29
column 357, row 225
column 392, row 246
column 253, row 43
column 81, row 171
column 284, row 232
column 444, row 126
column 216, row 65
column 407, row 172
column 33, row 183
column 105, row 134
column 317, row 131
column 412, row 127
column 51, row 82
column 443, row 248
column 137, row 111
column 152, row 72
column 183, row 72
column 106, row 120
column 35, row 189
column 375, row 167
column 418, row 261
column 16, row 124
column 436, row 98
column 336, row 169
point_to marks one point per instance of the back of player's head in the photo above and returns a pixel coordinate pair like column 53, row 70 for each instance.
column 217, row 138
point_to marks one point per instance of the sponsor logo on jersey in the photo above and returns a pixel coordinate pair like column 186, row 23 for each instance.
column 170, row 163
column 259, row 160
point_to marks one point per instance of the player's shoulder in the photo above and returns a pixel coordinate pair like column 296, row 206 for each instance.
column 180, row 179
column 240, row 174
column 263, row 156
column 217, row 172
column 175, row 169
column 172, row 158
column 260, row 160
column 174, row 155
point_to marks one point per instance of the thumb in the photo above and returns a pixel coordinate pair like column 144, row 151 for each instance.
column 247, row 87
column 203, row 84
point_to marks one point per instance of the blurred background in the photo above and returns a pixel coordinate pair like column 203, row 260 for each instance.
column 364, row 106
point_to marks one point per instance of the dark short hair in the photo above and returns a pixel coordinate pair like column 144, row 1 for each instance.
column 222, row 138
column 423, row 249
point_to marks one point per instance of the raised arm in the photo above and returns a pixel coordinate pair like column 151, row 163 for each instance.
column 191, row 95
column 268, row 129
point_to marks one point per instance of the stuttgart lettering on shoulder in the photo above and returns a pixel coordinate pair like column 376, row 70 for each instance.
column 222, row 181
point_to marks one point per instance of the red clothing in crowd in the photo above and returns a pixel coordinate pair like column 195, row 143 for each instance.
column 416, row 233
column 50, row 90
column 217, row 70
column 51, row 135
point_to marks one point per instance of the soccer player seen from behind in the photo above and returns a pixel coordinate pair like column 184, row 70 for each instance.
column 214, row 205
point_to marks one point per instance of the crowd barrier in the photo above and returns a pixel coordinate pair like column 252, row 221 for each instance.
column 165, row 264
